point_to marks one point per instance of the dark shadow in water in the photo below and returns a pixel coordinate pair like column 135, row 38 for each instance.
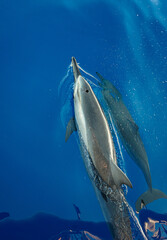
column 49, row 227
column 46, row 227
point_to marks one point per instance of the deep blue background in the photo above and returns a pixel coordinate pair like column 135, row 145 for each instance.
column 127, row 43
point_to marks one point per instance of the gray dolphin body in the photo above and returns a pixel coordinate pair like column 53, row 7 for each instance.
column 127, row 128
column 130, row 137
column 95, row 132
column 95, row 137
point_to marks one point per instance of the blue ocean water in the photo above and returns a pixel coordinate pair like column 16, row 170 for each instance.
column 125, row 41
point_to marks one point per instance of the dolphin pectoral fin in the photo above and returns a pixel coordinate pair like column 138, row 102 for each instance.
column 134, row 125
column 71, row 127
column 100, row 76
column 108, row 97
column 119, row 176
column 148, row 197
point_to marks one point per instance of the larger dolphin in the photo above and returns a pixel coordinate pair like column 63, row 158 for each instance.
column 94, row 133
column 93, row 127
column 130, row 136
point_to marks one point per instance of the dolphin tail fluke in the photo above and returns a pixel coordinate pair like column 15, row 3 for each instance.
column 148, row 197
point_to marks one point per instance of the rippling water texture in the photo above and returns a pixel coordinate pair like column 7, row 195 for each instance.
column 125, row 41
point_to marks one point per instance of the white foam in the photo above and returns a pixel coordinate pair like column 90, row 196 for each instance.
column 69, row 69
column 88, row 73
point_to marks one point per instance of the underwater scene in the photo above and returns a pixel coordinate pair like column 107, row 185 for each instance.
column 83, row 121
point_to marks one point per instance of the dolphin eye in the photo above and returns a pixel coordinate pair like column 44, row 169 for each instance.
column 87, row 90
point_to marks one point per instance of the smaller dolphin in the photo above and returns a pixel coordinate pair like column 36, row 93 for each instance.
column 78, row 212
column 130, row 137
column 126, row 127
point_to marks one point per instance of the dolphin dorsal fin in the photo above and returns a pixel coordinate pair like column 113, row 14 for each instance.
column 71, row 127
column 119, row 176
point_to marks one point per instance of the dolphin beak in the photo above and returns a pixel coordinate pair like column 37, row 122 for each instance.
column 76, row 71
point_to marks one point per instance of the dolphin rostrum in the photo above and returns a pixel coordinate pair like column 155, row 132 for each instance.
column 95, row 136
column 130, row 137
